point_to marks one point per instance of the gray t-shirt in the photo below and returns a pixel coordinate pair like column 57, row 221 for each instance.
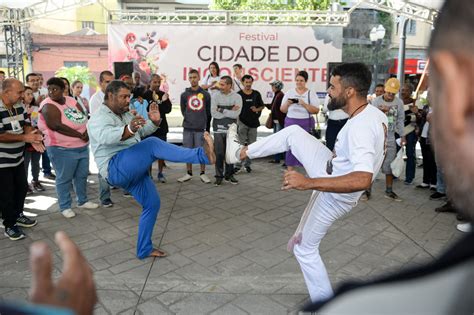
column 221, row 121
column 395, row 115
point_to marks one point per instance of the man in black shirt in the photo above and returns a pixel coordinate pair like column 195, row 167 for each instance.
column 154, row 95
column 252, row 106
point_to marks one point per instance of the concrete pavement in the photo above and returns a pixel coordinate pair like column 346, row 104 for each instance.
column 226, row 245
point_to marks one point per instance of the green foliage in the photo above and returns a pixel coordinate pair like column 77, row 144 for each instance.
column 270, row 4
column 80, row 73
column 361, row 23
column 386, row 20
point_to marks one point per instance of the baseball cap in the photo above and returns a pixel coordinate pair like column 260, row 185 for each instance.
column 277, row 84
column 392, row 85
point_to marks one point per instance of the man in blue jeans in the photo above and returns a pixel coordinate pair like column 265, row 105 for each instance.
column 115, row 136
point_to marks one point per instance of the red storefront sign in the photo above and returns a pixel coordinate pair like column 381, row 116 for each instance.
column 412, row 66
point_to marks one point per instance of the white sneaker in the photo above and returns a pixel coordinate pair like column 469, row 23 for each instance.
column 205, row 179
column 185, row 178
column 233, row 147
column 68, row 213
column 464, row 227
column 89, row 205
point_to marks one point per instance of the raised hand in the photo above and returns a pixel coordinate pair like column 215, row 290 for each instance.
column 136, row 123
column 154, row 113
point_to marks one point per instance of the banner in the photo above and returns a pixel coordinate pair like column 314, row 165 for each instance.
column 267, row 53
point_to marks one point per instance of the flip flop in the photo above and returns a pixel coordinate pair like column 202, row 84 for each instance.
column 158, row 253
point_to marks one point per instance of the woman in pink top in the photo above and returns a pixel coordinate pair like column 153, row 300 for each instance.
column 63, row 124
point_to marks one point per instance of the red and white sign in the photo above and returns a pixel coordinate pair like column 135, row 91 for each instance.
column 267, row 53
column 412, row 66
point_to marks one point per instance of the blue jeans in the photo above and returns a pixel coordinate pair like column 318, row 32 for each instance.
column 104, row 190
column 45, row 163
column 128, row 169
column 279, row 156
column 72, row 167
column 440, row 185
column 411, row 156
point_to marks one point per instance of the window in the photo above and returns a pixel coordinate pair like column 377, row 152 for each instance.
column 411, row 27
column 69, row 64
column 88, row 24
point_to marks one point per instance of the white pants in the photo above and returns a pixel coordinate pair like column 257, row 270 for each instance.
column 314, row 156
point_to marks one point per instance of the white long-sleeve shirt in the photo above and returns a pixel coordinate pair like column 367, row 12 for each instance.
column 96, row 101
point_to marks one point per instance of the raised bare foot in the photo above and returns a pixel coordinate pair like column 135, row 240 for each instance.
column 209, row 148
column 243, row 153
column 158, row 253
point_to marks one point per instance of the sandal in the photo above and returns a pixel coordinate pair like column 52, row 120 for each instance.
column 158, row 253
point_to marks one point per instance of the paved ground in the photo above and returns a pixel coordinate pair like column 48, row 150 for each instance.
column 227, row 245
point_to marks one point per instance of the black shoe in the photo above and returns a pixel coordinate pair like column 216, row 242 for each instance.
column 107, row 203
column 126, row 194
column 248, row 169
column 50, row 176
column 274, row 162
column 37, row 185
column 231, row 179
column 447, row 207
column 14, row 233
column 392, row 195
column 218, row 182
column 437, row 196
column 423, row 186
column 24, row 221
column 460, row 217
column 237, row 170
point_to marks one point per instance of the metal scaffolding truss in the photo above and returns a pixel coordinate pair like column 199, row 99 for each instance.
column 13, row 45
column 329, row 18
column 40, row 9
column 13, row 20
column 406, row 9
column 15, row 27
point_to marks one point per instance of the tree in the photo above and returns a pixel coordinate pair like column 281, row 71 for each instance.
column 270, row 4
column 80, row 73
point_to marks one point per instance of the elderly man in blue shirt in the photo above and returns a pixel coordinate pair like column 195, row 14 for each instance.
column 115, row 135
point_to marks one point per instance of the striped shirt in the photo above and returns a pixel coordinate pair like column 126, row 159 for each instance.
column 11, row 154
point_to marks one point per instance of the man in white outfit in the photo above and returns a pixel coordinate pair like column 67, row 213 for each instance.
column 338, row 178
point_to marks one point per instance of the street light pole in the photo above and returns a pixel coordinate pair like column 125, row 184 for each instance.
column 376, row 37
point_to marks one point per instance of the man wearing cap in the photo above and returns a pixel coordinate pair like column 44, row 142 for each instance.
column 392, row 106
column 277, row 115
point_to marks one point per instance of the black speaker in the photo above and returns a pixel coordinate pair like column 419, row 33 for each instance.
column 121, row 68
column 330, row 67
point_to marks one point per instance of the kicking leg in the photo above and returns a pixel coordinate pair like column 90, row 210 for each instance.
column 307, row 149
column 138, row 158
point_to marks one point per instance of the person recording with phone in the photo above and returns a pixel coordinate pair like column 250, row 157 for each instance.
column 299, row 104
